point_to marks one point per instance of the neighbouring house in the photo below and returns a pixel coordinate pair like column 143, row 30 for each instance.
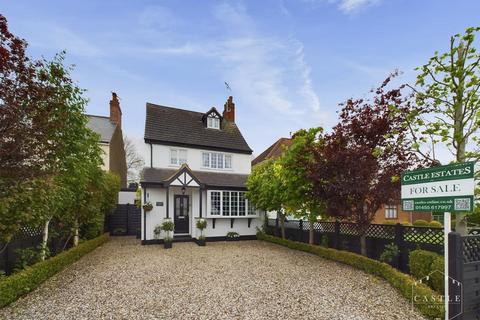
column 388, row 212
column 111, row 140
column 197, row 167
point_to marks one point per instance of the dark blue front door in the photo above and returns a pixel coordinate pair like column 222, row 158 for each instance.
column 181, row 214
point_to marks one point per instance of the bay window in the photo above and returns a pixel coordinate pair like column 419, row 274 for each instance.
column 229, row 204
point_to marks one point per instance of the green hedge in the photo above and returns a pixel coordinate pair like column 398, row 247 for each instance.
column 423, row 262
column 402, row 282
column 18, row 284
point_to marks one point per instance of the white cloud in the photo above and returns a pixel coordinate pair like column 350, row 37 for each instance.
column 349, row 6
column 60, row 38
column 268, row 72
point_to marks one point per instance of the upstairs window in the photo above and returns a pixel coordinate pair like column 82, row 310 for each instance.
column 216, row 160
column 178, row 156
column 213, row 123
column 391, row 211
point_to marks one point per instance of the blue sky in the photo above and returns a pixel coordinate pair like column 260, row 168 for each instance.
column 289, row 63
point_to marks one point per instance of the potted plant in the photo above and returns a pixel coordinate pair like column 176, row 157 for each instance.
column 157, row 231
column 233, row 236
column 201, row 225
column 147, row 206
column 167, row 226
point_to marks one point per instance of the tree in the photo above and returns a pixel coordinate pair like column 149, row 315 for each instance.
column 447, row 92
column 30, row 135
column 357, row 170
column 298, row 187
column 135, row 162
column 266, row 189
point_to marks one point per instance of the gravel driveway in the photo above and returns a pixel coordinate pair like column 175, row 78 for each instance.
column 224, row 280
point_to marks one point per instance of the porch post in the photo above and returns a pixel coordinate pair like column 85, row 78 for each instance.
column 200, row 193
column 167, row 201
column 144, row 215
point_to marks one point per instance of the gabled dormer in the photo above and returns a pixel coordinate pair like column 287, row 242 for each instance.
column 212, row 119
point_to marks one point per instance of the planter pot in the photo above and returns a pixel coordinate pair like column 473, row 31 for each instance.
column 201, row 242
column 167, row 245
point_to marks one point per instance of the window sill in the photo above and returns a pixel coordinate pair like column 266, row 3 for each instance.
column 230, row 217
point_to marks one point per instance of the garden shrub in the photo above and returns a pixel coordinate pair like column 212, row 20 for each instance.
column 26, row 257
column 437, row 279
column 390, row 222
column 390, row 253
column 402, row 282
column 324, row 241
column 420, row 264
column 435, row 224
column 423, row 263
column 420, row 223
column 18, row 284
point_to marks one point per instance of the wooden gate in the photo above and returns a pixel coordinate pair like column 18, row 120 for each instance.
column 125, row 220
column 465, row 267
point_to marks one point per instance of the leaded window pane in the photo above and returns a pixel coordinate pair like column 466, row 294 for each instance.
column 234, row 203
column 241, row 203
column 226, row 203
column 215, row 202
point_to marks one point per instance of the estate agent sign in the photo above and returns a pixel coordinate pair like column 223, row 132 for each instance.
column 446, row 188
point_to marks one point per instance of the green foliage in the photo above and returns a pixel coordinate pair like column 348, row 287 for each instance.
column 390, row 222
column 157, row 231
column 293, row 165
column 420, row 223
column 390, row 253
column 26, row 257
column 201, row 224
column 232, row 235
column 420, row 262
column 437, row 278
column 402, row 282
column 324, row 241
column 119, row 231
column 448, row 98
column 167, row 226
column 18, row 284
column 424, row 263
column 435, row 224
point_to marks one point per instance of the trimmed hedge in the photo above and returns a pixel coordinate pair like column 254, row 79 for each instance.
column 402, row 282
column 420, row 223
column 423, row 262
column 18, row 284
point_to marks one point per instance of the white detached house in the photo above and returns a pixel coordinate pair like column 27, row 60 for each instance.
column 198, row 166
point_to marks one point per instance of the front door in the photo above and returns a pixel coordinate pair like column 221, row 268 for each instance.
column 181, row 219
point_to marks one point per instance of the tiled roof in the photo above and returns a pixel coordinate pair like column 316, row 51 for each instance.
column 210, row 179
column 274, row 151
column 103, row 126
column 182, row 127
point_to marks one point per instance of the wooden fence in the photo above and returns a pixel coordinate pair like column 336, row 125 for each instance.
column 26, row 238
column 346, row 236
column 464, row 268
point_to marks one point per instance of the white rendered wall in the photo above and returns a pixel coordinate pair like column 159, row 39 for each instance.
column 222, row 225
column 241, row 163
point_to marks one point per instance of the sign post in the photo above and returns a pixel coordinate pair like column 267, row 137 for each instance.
column 447, row 188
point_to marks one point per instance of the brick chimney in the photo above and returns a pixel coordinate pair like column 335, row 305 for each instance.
column 229, row 110
column 115, row 111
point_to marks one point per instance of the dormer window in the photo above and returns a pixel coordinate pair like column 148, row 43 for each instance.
column 213, row 123
column 212, row 119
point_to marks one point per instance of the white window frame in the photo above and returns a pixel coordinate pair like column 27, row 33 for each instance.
column 177, row 152
column 215, row 164
column 222, row 194
column 391, row 211
column 213, row 122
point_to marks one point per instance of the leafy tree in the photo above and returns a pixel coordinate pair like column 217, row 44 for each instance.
column 266, row 189
column 447, row 93
column 358, row 168
column 298, row 187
